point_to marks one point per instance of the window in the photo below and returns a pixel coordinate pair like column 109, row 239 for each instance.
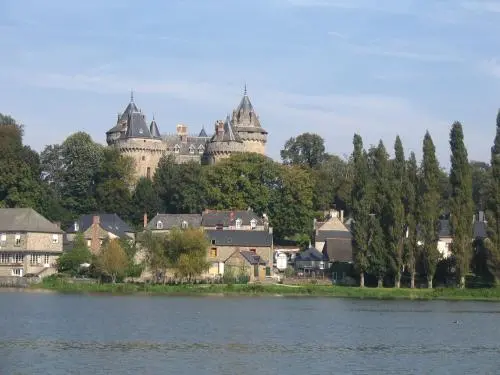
column 3, row 237
column 46, row 259
column 17, row 241
column 143, row 158
column 256, row 270
column 213, row 242
column 148, row 173
column 238, row 223
column 89, row 243
column 159, row 224
column 253, row 223
column 334, row 275
column 35, row 259
column 201, row 149
column 4, row 258
column 18, row 258
column 191, row 149
column 55, row 238
column 76, row 227
column 17, row 272
column 184, row 224
column 213, row 252
column 177, row 149
column 253, row 251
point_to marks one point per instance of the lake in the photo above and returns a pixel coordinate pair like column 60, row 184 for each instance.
column 45, row 333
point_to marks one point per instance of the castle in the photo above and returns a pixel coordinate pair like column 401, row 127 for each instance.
column 238, row 133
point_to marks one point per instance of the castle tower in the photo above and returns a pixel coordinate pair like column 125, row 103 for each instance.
column 134, row 138
column 247, row 124
column 224, row 142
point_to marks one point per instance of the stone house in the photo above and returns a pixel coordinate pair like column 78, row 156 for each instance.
column 246, row 263
column 225, row 243
column 29, row 243
column 311, row 261
column 98, row 227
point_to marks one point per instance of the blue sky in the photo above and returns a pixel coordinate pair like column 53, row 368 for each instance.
column 333, row 67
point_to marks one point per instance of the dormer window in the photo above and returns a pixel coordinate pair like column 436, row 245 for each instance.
column 55, row 238
column 76, row 227
column 177, row 149
column 253, row 224
column 201, row 149
column 238, row 223
column 184, row 224
column 17, row 240
column 3, row 237
column 191, row 149
column 159, row 224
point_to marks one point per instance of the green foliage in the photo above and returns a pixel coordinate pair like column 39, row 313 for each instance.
column 70, row 261
column 481, row 184
column 144, row 200
column 461, row 203
column 429, row 197
column 410, row 205
column 305, row 150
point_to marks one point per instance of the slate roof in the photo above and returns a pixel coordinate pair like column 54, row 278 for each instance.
column 25, row 220
column 252, row 258
column 171, row 221
column 123, row 118
column 153, row 129
column 198, row 144
column 310, row 255
column 323, row 235
column 109, row 222
column 338, row 250
column 203, row 133
column 228, row 218
column 137, row 127
column 230, row 135
column 444, row 228
column 480, row 229
column 240, row 238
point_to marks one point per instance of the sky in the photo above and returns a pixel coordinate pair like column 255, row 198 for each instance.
column 333, row 67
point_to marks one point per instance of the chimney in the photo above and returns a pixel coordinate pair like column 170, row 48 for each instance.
column 342, row 216
column 481, row 216
column 57, row 224
column 145, row 219
column 95, row 244
column 219, row 128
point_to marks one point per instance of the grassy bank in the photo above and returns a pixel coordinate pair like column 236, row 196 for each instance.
column 60, row 285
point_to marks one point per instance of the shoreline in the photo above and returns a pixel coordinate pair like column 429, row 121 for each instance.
column 268, row 290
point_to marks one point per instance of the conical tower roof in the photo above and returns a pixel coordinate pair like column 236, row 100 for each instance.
column 153, row 129
column 244, row 115
column 137, row 127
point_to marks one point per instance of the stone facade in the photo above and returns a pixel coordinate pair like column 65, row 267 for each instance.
column 30, row 244
column 239, row 133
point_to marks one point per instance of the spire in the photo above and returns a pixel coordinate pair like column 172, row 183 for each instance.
column 245, row 90
column 131, row 96
column 153, row 129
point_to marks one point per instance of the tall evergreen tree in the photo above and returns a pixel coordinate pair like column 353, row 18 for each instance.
column 429, row 197
column 461, row 203
column 411, row 190
column 493, row 213
column 360, row 209
column 396, row 221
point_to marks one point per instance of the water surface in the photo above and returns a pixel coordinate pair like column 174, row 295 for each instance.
column 75, row 334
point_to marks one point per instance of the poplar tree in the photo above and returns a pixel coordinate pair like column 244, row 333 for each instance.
column 429, row 208
column 411, row 190
column 360, row 209
column 381, row 210
column 396, row 225
column 493, row 213
column 461, row 205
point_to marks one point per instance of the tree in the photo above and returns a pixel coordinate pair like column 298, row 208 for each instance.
column 396, row 221
column 305, row 150
column 112, row 192
column 113, row 260
column 411, row 191
column 481, row 183
column 493, row 214
column 156, row 257
column 70, row 262
column 429, row 202
column 187, row 252
column 377, row 252
column 144, row 200
column 361, row 204
column 461, row 203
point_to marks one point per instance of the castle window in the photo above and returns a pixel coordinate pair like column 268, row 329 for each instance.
column 143, row 158
column 191, row 149
column 184, row 224
column 177, row 149
column 201, row 149
column 159, row 225
column 253, row 223
column 238, row 223
column 148, row 173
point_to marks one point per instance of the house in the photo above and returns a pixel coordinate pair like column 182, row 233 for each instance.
column 224, row 243
column 340, row 257
column 164, row 223
column 445, row 238
column 29, row 243
column 98, row 227
column 246, row 263
column 311, row 261
column 333, row 227
column 234, row 220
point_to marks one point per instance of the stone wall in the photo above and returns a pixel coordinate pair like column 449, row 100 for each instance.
column 44, row 242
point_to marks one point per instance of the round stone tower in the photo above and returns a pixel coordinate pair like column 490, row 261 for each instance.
column 247, row 125
column 223, row 143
